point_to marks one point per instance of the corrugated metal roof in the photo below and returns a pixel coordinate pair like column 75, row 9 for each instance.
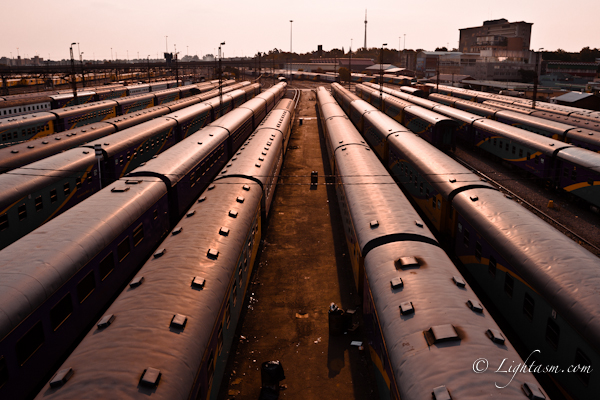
column 573, row 96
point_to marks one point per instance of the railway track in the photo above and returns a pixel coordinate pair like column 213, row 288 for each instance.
column 561, row 227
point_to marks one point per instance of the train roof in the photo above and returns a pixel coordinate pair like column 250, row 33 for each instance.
column 456, row 114
column 140, row 336
column 569, row 120
column 128, row 120
column 21, row 154
column 83, row 108
column 62, row 96
column 566, row 277
column 132, row 99
column 25, row 101
column 25, row 120
column 34, row 267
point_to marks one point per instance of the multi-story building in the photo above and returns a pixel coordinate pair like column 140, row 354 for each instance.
column 499, row 40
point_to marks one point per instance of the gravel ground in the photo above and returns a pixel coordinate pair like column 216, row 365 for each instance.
column 575, row 215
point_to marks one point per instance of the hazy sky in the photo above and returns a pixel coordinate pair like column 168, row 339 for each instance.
column 47, row 28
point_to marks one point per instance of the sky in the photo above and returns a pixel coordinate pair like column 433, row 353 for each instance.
column 131, row 27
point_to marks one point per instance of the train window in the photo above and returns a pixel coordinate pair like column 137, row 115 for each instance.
column 528, row 306
column 492, row 266
column 537, row 159
column 466, row 237
column 211, row 368
column 106, row 266
column 514, row 149
column 220, row 340
column 520, row 152
column 552, row 333
column 421, row 188
column 138, row 234
column 427, row 192
column 494, row 141
column 590, row 181
column 566, row 173
column 410, row 176
column 123, row 249
column 39, row 205
column 528, row 155
column 542, row 159
column 574, row 174
column 3, row 222
column 507, row 146
column 234, row 295
column 61, row 311
column 53, row 196
column 478, row 251
column 3, row 371
column 439, row 204
column 78, row 182
column 155, row 213
column 581, row 360
column 86, row 286
column 500, row 145
column 509, row 284
column 30, row 343
column 22, row 212
column 66, row 188
column 227, row 315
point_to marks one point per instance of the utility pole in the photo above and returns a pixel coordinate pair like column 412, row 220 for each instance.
column 350, row 67
column 365, row 30
column 220, row 82
column 73, row 81
column 381, row 76
column 82, row 72
column 148, row 68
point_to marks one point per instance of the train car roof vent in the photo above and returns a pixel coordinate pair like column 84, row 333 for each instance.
column 137, row 281
column 407, row 308
column 106, row 321
column 441, row 333
column 495, row 336
column 133, row 182
column 45, row 142
column 177, row 231
column 213, row 254
column 263, row 153
column 341, row 141
column 266, row 148
column 178, row 321
column 246, row 188
column 397, row 283
column 211, row 187
column 441, row 393
column 257, row 165
column 190, row 213
column 261, row 159
column 160, row 253
column 61, row 377
column 14, row 151
column 452, row 180
column 198, row 282
column 30, row 146
column 374, row 223
column 224, row 231
column 406, row 262
column 458, row 281
column 233, row 213
column 150, row 377
column 119, row 189
column 240, row 199
column 474, row 198
column 533, row 391
column 475, row 305
column 201, row 199
column 419, row 224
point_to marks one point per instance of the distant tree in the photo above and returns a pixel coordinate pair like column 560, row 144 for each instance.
column 344, row 74
column 441, row 49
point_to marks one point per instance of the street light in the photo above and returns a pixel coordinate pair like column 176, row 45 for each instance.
column 82, row 73
column 350, row 67
column 381, row 76
column 291, row 23
column 73, row 82
column 220, row 82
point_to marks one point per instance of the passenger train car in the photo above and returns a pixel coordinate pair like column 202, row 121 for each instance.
column 58, row 278
column 32, row 126
column 543, row 283
column 426, row 327
column 433, row 127
column 559, row 130
column 48, row 187
column 564, row 166
column 24, row 153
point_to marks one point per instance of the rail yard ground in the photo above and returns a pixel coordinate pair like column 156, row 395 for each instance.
column 303, row 267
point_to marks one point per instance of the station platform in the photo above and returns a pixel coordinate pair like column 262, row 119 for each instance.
column 302, row 268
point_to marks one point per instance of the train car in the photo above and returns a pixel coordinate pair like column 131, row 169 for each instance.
column 73, row 117
column 26, row 127
column 413, row 91
column 435, row 128
column 237, row 204
column 508, row 256
column 13, row 108
column 134, row 103
column 36, row 190
column 166, row 96
column 96, row 273
column 413, row 296
column 158, row 86
column 68, row 100
column 138, row 89
column 108, row 93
